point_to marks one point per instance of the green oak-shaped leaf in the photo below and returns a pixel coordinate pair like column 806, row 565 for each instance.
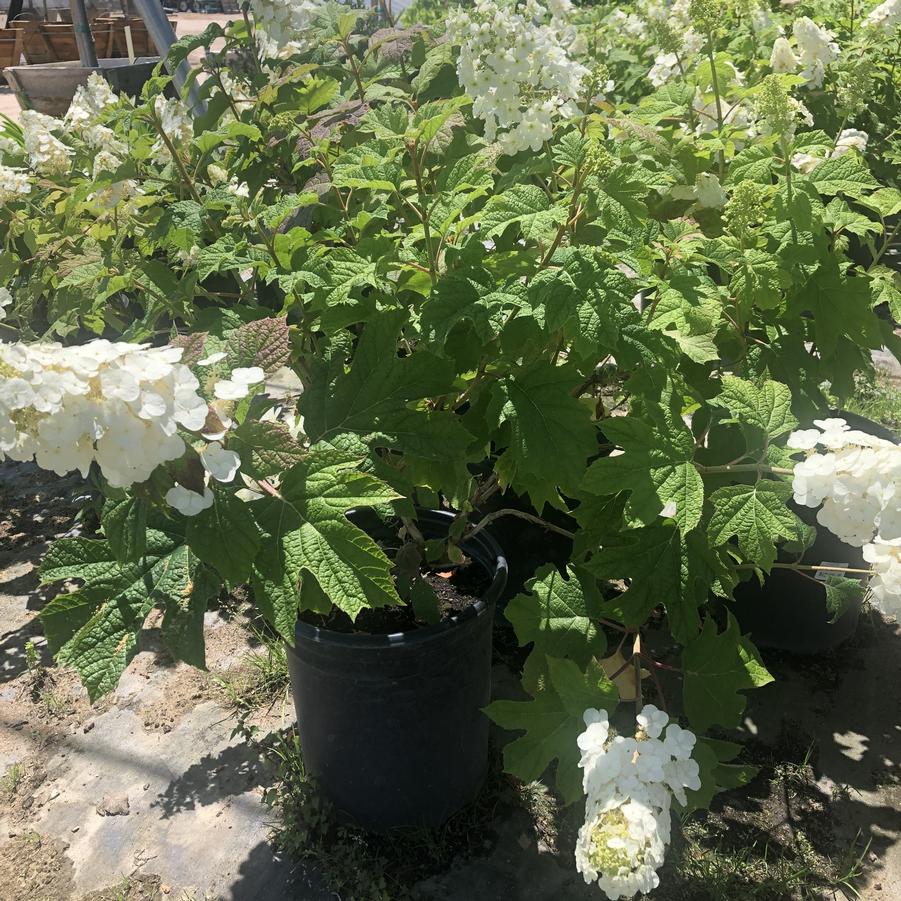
column 716, row 772
column 716, row 667
column 225, row 537
column 263, row 343
column 556, row 614
column 756, row 515
column 841, row 595
column 663, row 567
column 766, row 406
column 265, row 448
column 376, row 398
column 95, row 629
column 527, row 206
column 125, row 526
column 547, row 433
column 843, row 175
column 656, row 466
column 308, row 536
column 552, row 721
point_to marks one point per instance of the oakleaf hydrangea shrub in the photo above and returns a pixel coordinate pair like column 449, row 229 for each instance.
column 600, row 269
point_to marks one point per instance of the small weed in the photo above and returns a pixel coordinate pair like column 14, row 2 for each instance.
column 10, row 781
column 877, row 398
column 41, row 685
column 262, row 680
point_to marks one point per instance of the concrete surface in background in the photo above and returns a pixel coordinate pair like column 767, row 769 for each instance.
column 187, row 23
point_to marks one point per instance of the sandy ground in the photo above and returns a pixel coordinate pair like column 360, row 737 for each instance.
column 187, row 23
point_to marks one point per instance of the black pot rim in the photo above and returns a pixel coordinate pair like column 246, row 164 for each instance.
column 433, row 632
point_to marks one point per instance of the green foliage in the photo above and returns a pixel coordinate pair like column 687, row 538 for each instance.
column 581, row 327
column 95, row 629
column 551, row 721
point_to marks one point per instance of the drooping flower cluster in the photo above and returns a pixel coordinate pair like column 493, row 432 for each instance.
column 816, row 48
column 513, row 63
column 91, row 100
column 856, row 481
column 629, row 785
column 783, row 59
column 114, row 403
column 629, row 23
column 175, row 121
column 14, row 184
column 286, row 23
column 886, row 16
column 47, row 154
column 849, row 139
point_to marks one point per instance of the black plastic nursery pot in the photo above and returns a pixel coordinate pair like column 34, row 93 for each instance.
column 392, row 726
column 788, row 611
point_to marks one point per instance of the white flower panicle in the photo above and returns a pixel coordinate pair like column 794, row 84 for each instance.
column 47, row 154
column 850, row 138
column 286, row 23
column 885, row 584
column 629, row 785
column 514, row 65
column 855, row 480
column 669, row 65
column 709, row 192
column 14, row 184
column 886, row 16
column 114, row 403
column 783, row 59
column 817, row 49
column 175, row 121
column 630, row 24
column 90, row 102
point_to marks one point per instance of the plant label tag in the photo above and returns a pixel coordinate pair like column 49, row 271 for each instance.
column 836, row 569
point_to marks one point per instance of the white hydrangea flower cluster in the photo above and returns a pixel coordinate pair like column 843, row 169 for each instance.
column 513, row 63
column 285, row 22
column 886, row 16
column 47, row 154
column 709, row 192
column 629, row 785
column 114, row 403
column 90, row 102
column 175, row 121
column 14, row 184
column 9, row 148
column 6, row 300
column 783, row 59
column 817, row 49
column 630, row 24
column 667, row 65
column 856, row 482
column 848, row 139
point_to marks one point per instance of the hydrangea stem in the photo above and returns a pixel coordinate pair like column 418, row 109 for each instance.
column 730, row 468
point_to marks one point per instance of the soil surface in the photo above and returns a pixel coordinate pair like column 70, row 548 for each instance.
column 451, row 591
